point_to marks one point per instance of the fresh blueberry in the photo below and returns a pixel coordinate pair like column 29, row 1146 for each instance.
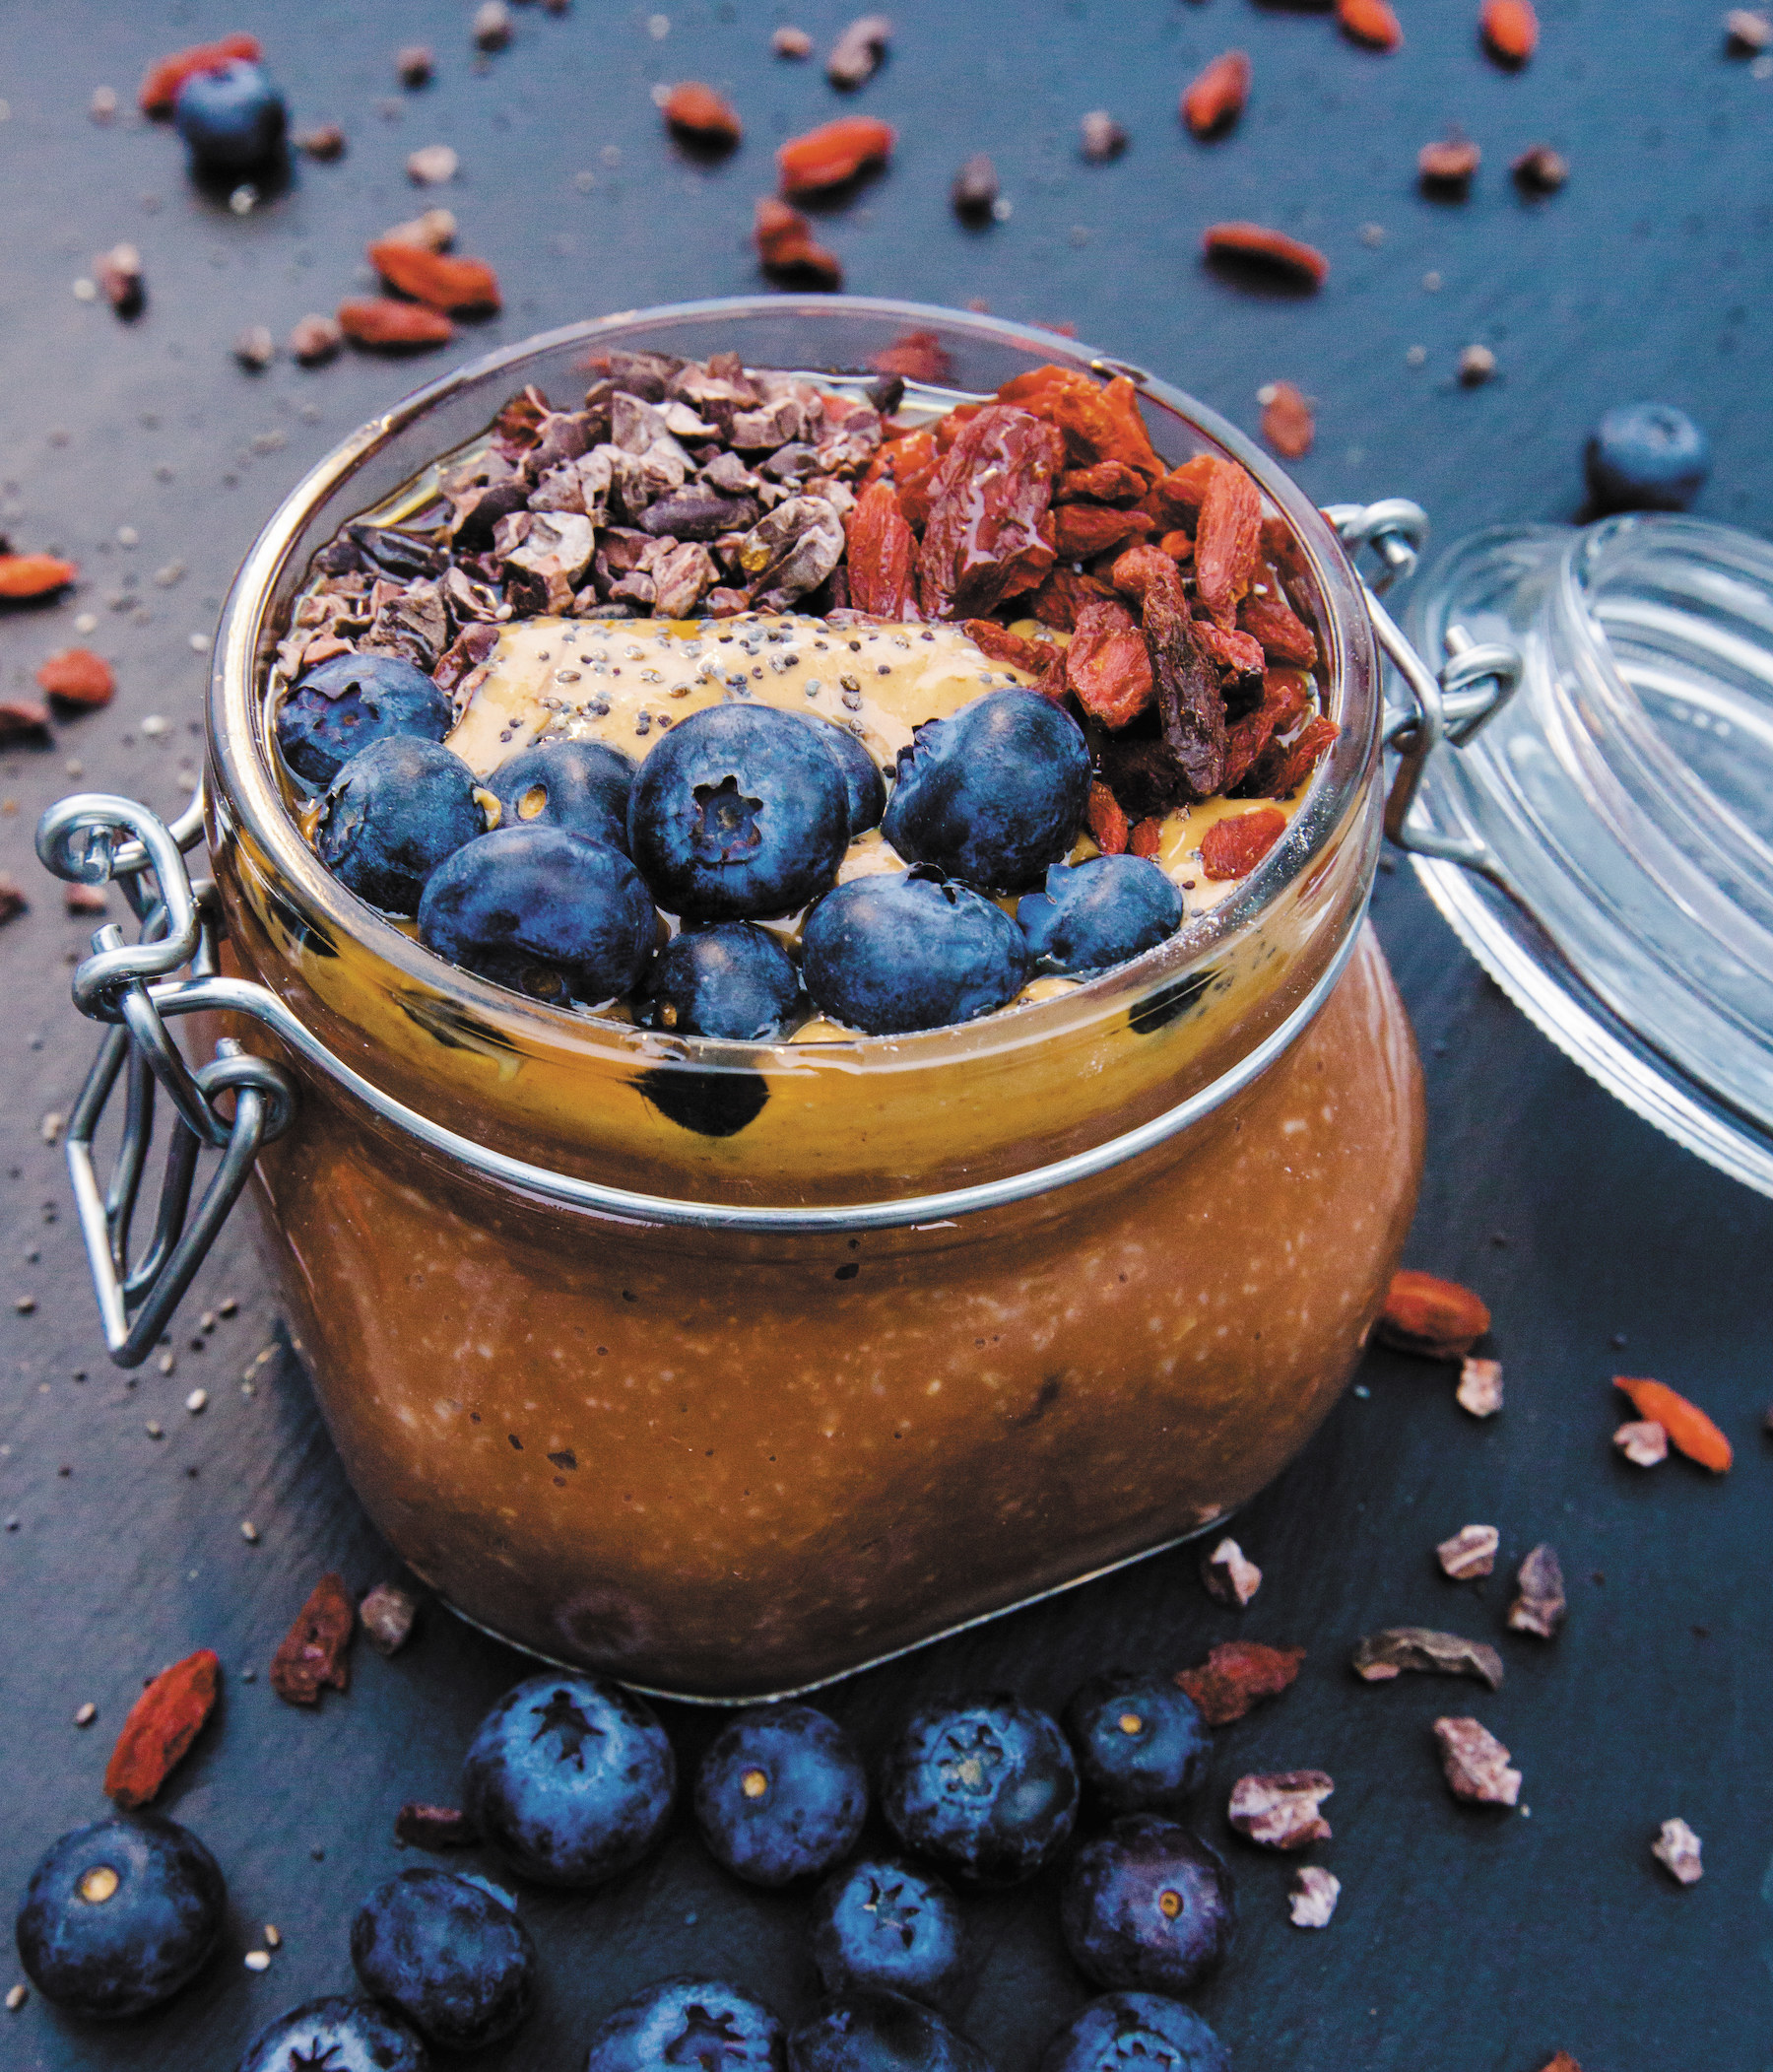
column 336, row 2035
column 580, row 785
column 232, row 118
column 994, row 795
column 1148, row 1906
column 456, row 1961
column 881, row 1922
column 869, row 2030
column 738, row 814
column 391, row 815
column 863, row 782
column 1647, row 456
column 119, row 1915
column 1136, row 2033
column 542, row 912
column 986, row 1789
column 703, row 2024
column 570, row 1777
column 1142, row 1743
column 781, row 1794
column 1098, row 913
column 909, row 950
column 733, row 980
column 350, row 700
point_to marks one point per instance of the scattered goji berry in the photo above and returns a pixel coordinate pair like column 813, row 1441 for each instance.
column 882, row 555
column 1178, row 545
column 1511, row 29
column 1230, row 647
column 699, row 111
column 1426, row 1315
column 1107, row 822
column 1175, row 500
column 1082, row 531
column 1232, row 849
column 1245, row 740
column 1239, row 1674
column 918, row 354
column 24, row 575
column 1129, row 443
column 78, row 677
column 1688, row 1425
column 379, row 320
column 989, row 536
column 786, row 246
column 1215, row 97
column 313, row 1653
column 1062, row 597
column 439, row 279
column 1227, row 539
column 1033, row 657
column 1107, row 666
column 833, row 152
column 163, row 80
column 161, row 1725
column 1255, row 243
column 1284, row 634
column 1286, row 696
column 1147, row 838
column 1303, row 753
column 1286, row 421
column 1370, row 22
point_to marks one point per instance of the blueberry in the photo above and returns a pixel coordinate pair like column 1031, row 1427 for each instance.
column 1136, row 2033
column 391, row 815
column 733, row 980
column 985, row 1788
column 738, row 814
column 781, row 1794
column 994, row 795
column 1647, row 456
column 336, row 2035
column 863, row 782
column 542, row 912
column 885, row 1923
column 570, row 1777
column 350, row 700
column 869, row 2030
column 702, row 2023
column 910, row 950
column 454, row 1960
column 580, row 785
column 1098, row 913
column 119, row 1915
column 232, row 118
column 1142, row 1743
column 1148, row 1906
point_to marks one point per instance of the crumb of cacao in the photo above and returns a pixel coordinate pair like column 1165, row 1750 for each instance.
column 1479, row 1388
column 255, row 348
column 1380, row 1657
column 413, row 64
column 1102, row 137
column 789, row 41
column 1279, row 1809
column 491, row 26
column 423, row 1826
column 1540, row 1602
column 1475, row 1763
column 857, row 53
column 1230, row 1576
column 1477, row 363
column 1541, row 169
column 1311, row 1898
column 432, row 165
column 975, row 190
column 315, row 339
column 1643, row 1441
column 1676, row 1848
column 1469, row 1552
column 1747, row 31
column 387, row 1613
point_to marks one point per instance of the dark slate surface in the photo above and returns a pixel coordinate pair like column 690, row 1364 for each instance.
column 1464, row 1943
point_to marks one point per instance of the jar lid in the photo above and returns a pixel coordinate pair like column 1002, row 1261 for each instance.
column 1620, row 805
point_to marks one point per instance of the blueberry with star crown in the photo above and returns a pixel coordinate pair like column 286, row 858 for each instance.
column 985, row 1788
column 336, row 2035
column 882, row 1922
column 570, row 1779
column 702, row 2025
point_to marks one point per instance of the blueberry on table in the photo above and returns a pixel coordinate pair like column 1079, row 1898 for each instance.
column 570, row 1779
column 1136, row 2033
column 1647, row 456
column 985, row 1788
column 542, row 912
column 1097, row 913
column 994, row 795
column 232, row 118
column 344, row 703
column 882, row 1922
column 740, row 813
column 119, row 1915
column 1148, row 1906
column 780, row 1794
column 863, row 782
column 870, row 2031
column 337, row 2034
column 392, row 814
column 732, row 980
column 910, row 950
column 454, row 1960
column 701, row 2024
column 1142, row 1743
column 580, row 785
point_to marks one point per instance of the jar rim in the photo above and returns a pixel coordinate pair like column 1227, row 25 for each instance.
column 251, row 800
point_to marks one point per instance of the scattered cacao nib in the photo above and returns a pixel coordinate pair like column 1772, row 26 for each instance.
column 78, row 679
column 423, row 1826
column 1288, row 423
column 314, row 1653
column 1479, row 1390
column 118, row 273
column 975, row 190
column 787, row 248
column 1426, row 1315
column 1279, row 1810
column 697, row 110
column 162, row 1723
column 1643, row 1443
column 81, row 899
column 13, row 901
column 1676, row 1848
column 491, row 24
column 1102, row 137
column 1471, row 1552
column 472, row 646
column 433, row 229
column 1447, row 166
column 788, row 41
column 324, row 143
column 1311, row 1897
column 1747, row 32
column 857, row 53
column 1381, row 1657
column 1541, row 169
column 1230, row 1576
column 1477, row 363
column 315, row 339
column 387, row 1613
column 1237, row 1675
column 413, row 64
column 432, row 165
column 985, row 540
column 1540, row 1602
column 22, row 721
column 255, row 348
column 1475, row 1763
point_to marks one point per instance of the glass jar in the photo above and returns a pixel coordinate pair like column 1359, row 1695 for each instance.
column 732, row 1369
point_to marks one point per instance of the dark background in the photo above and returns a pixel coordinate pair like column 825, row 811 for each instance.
column 1465, row 1942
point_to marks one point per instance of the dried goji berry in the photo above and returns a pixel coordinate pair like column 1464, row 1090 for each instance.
column 1107, row 822
column 1178, row 545
column 1033, row 657
column 440, row 278
column 1227, row 538
column 78, row 677
column 312, row 1654
column 1688, row 1425
column 787, row 248
column 1107, row 666
column 1284, row 634
column 919, row 356
column 1063, row 595
column 1176, row 498
column 1129, row 443
column 1103, row 482
column 833, row 152
column 1147, row 838
column 1080, row 531
column 1255, row 243
column 160, row 85
column 1232, row 849
column 988, row 506
column 1215, row 97
column 1303, row 756
column 1237, row 1675
column 1245, row 740
column 161, row 1725
column 1099, row 423
column 1286, row 696
column 379, row 320
column 1142, row 569
column 882, row 553
column 699, row 111
column 1511, row 29
column 951, row 422
column 1370, row 22
column 1229, row 648
column 1422, row 1313
column 24, row 575
column 1448, row 161
column 1288, row 423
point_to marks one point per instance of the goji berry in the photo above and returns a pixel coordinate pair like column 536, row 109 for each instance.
column 78, row 677
column 379, row 320
column 1237, row 1675
column 1217, row 94
column 161, row 1725
column 439, row 279
column 1688, row 1425
column 1284, row 634
column 25, row 575
column 1256, row 243
column 160, row 85
column 1288, row 423
column 1511, row 29
column 1107, row 822
column 919, row 356
column 1370, row 22
column 1227, row 538
column 312, row 1654
column 1103, row 482
column 1147, row 838
column 883, row 554
column 1063, row 595
column 1107, row 666
column 1033, row 657
column 1422, row 1313
column 699, row 111
column 1080, row 531
column 1232, row 849
column 988, row 506
column 833, row 152
column 786, row 246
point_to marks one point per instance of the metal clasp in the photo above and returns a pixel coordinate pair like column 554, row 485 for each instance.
column 90, row 839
